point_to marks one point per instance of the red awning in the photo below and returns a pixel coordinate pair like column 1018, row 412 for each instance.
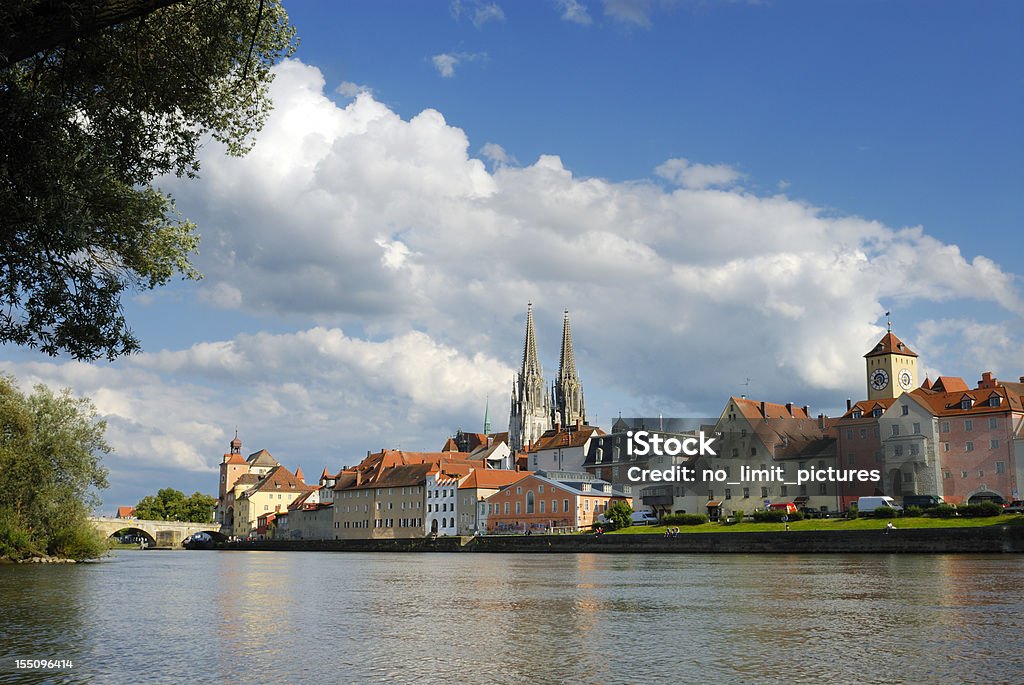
column 716, row 503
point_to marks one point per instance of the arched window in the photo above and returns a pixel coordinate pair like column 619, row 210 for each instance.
column 529, row 502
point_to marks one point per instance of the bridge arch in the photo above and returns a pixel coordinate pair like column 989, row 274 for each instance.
column 136, row 535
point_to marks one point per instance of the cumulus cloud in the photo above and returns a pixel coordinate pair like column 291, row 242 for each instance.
column 575, row 11
column 478, row 11
column 689, row 175
column 394, row 224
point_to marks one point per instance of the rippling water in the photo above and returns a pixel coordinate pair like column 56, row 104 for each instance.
column 265, row 617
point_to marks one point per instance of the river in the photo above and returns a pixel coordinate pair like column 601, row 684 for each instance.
column 274, row 617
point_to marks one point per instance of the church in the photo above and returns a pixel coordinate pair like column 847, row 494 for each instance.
column 537, row 408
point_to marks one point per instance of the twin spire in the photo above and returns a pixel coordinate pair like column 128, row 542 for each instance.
column 535, row 407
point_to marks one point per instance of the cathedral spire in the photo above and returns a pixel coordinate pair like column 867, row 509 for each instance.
column 487, row 415
column 566, row 360
column 531, row 364
column 568, row 407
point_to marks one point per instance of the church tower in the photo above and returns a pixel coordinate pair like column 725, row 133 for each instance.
column 232, row 466
column 530, row 415
column 567, row 390
column 891, row 368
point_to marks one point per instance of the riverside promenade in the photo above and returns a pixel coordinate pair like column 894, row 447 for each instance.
column 979, row 540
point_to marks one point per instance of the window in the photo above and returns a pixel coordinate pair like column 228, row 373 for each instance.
column 966, row 403
column 993, row 422
column 993, row 444
column 876, row 412
column 565, row 505
column 711, row 495
column 994, row 401
column 823, row 488
column 963, row 474
column 851, row 459
column 895, row 429
column 519, row 507
column 540, row 488
column 944, row 427
column 947, row 474
column 857, row 413
column 904, row 410
column 981, row 473
column 728, row 493
column 764, row 492
column 945, row 447
column 917, row 429
column 506, row 507
column 968, row 424
column 586, row 505
column 542, row 506
column 519, row 490
column 913, row 450
column 969, row 447
column 1000, row 467
column 803, row 490
column 529, row 502
column 863, row 433
column 897, row 451
column 784, row 491
column 753, row 451
column 554, row 506
column 746, row 493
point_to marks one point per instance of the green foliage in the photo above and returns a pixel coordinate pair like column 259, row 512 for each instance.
column 619, row 513
column 684, row 519
column 738, row 515
column 913, row 511
column 51, row 446
column 945, row 511
column 171, row 505
column 981, row 509
column 854, row 512
column 85, row 128
column 884, row 513
column 775, row 516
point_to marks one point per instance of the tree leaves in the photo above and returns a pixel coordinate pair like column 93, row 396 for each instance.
column 85, row 128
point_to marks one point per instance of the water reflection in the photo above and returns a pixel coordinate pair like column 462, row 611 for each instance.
column 203, row 616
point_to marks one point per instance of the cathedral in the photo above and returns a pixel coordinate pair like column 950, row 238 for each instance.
column 536, row 408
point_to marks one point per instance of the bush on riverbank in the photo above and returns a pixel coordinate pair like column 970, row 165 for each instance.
column 683, row 520
column 885, row 513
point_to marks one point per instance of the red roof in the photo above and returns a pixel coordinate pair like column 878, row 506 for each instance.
column 890, row 344
column 492, row 479
column 125, row 512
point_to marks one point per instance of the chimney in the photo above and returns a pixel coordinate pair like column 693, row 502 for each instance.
column 359, row 477
column 764, row 414
column 849, row 404
column 789, row 408
column 807, row 410
column 821, row 421
column 987, row 381
column 1022, row 379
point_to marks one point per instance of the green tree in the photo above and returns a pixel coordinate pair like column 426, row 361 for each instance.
column 51, row 446
column 620, row 513
column 171, row 505
column 107, row 96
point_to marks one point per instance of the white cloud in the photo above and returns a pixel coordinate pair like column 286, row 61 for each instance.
column 445, row 63
column 485, row 12
column 635, row 12
column 574, row 11
column 497, row 155
column 689, row 175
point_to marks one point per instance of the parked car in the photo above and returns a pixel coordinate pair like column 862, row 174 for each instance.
column 643, row 518
column 868, row 504
column 922, row 501
column 1015, row 507
column 787, row 507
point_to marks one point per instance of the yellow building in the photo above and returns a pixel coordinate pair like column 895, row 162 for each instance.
column 272, row 492
column 891, row 368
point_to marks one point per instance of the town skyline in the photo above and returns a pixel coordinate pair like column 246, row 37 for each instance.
column 714, row 227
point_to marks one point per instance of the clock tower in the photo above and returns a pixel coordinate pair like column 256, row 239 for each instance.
column 891, row 368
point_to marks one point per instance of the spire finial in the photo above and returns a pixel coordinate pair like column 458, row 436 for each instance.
column 487, row 414
column 888, row 321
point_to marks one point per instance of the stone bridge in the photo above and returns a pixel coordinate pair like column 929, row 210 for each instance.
column 162, row 534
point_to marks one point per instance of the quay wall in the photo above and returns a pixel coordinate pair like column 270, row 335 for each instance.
column 983, row 540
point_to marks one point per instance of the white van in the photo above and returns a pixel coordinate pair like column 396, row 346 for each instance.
column 868, row 504
column 643, row 518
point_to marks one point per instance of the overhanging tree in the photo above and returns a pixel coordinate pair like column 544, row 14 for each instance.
column 94, row 106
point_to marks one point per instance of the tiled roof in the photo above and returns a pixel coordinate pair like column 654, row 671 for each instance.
column 279, row 479
column 574, row 437
column 865, row 407
column 262, row 458
column 890, row 344
column 492, row 478
column 949, row 384
column 235, row 458
column 399, row 477
column 752, row 409
column 125, row 512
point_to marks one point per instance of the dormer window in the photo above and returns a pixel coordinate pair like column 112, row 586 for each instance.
column 858, row 414
column 995, row 400
column 876, row 412
column 966, row 403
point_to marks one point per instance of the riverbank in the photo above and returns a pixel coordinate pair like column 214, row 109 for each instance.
column 979, row 540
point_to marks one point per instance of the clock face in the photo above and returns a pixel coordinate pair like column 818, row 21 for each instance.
column 906, row 380
column 879, row 379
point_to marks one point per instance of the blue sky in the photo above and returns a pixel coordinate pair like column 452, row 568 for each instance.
column 716, row 190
